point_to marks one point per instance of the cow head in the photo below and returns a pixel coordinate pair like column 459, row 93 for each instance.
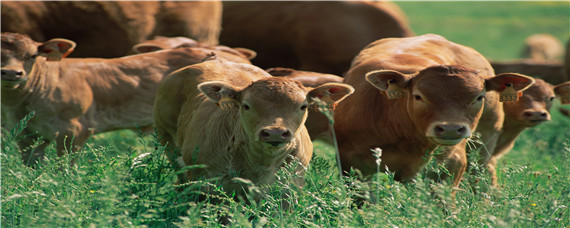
column 533, row 107
column 273, row 110
column 19, row 54
column 444, row 102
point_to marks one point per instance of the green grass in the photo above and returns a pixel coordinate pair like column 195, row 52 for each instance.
column 110, row 186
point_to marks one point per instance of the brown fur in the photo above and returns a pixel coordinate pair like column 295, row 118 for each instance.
column 230, row 142
column 531, row 110
column 76, row 97
column 443, row 83
column 113, row 26
column 314, row 36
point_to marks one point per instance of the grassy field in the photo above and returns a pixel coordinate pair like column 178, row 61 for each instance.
column 113, row 185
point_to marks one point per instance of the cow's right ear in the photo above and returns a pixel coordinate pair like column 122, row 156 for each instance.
column 392, row 82
column 146, row 47
column 562, row 91
column 509, row 85
column 223, row 94
column 56, row 49
column 248, row 53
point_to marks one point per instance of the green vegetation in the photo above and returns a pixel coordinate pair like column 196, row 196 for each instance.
column 122, row 178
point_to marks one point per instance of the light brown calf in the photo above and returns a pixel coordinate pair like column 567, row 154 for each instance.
column 321, row 36
column 76, row 97
column 531, row 110
column 413, row 95
column 542, row 47
column 109, row 29
column 237, row 120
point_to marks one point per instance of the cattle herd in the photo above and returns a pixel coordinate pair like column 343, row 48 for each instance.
column 246, row 109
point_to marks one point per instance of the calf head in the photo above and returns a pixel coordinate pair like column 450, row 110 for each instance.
column 272, row 111
column 19, row 54
column 533, row 107
column 444, row 102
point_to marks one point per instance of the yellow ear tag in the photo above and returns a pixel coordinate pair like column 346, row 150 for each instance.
column 394, row 91
column 509, row 94
column 226, row 103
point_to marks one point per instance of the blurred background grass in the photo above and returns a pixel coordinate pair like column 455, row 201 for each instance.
column 496, row 29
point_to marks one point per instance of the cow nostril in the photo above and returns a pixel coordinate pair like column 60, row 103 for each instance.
column 286, row 134
column 543, row 114
column 19, row 73
column 264, row 134
column 527, row 114
column 461, row 130
column 439, row 129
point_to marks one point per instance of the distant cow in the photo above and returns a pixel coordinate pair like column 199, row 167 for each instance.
column 531, row 109
column 237, row 120
column 413, row 95
column 110, row 28
column 321, row 36
column 76, row 97
column 542, row 47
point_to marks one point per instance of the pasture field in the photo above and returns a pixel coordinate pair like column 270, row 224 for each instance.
column 122, row 178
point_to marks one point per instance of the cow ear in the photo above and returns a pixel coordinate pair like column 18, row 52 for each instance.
column 248, row 53
column 509, row 85
column 56, row 49
column 146, row 47
column 223, row 94
column 562, row 91
column 330, row 93
column 280, row 71
column 392, row 82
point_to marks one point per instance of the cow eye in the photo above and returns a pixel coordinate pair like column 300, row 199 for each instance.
column 304, row 107
column 245, row 107
column 418, row 97
column 551, row 99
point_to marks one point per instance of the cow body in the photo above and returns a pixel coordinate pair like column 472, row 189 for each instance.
column 314, row 36
column 249, row 122
column 542, row 47
column 121, row 23
column 531, row 110
column 442, row 87
column 76, row 97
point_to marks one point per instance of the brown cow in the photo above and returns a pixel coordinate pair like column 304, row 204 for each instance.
column 315, row 36
column 243, row 122
column 531, row 110
column 76, row 97
column 110, row 28
column 542, row 47
column 414, row 95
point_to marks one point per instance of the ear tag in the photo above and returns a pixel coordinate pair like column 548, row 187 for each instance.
column 510, row 94
column 394, row 91
column 226, row 102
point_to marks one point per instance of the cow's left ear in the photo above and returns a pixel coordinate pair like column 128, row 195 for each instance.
column 330, row 93
column 146, row 47
column 223, row 94
column 392, row 82
column 56, row 49
column 562, row 91
column 509, row 85
column 248, row 53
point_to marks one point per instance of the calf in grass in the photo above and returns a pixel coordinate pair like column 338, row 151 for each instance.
column 237, row 120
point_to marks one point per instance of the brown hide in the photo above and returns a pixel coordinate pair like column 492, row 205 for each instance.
column 249, row 121
column 321, row 36
column 110, row 28
column 442, row 84
column 76, row 97
column 531, row 110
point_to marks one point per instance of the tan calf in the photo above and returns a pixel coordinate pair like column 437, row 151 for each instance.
column 76, row 97
column 414, row 95
column 237, row 120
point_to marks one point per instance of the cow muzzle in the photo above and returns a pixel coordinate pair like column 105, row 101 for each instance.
column 535, row 117
column 275, row 136
column 12, row 75
column 445, row 133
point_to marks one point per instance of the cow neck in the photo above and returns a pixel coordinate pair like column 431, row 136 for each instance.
column 509, row 133
column 43, row 78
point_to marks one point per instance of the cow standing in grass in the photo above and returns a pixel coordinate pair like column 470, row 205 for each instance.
column 414, row 95
column 237, row 120
column 75, row 97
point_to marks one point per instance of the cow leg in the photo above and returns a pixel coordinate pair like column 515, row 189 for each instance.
column 72, row 141
column 454, row 160
column 492, row 169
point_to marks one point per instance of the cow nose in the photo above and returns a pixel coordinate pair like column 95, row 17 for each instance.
column 536, row 115
column 274, row 136
column 451, row 131
column 11, row 74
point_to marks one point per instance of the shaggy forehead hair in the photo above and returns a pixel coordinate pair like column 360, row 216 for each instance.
column 450, row 70
column 276, row 87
